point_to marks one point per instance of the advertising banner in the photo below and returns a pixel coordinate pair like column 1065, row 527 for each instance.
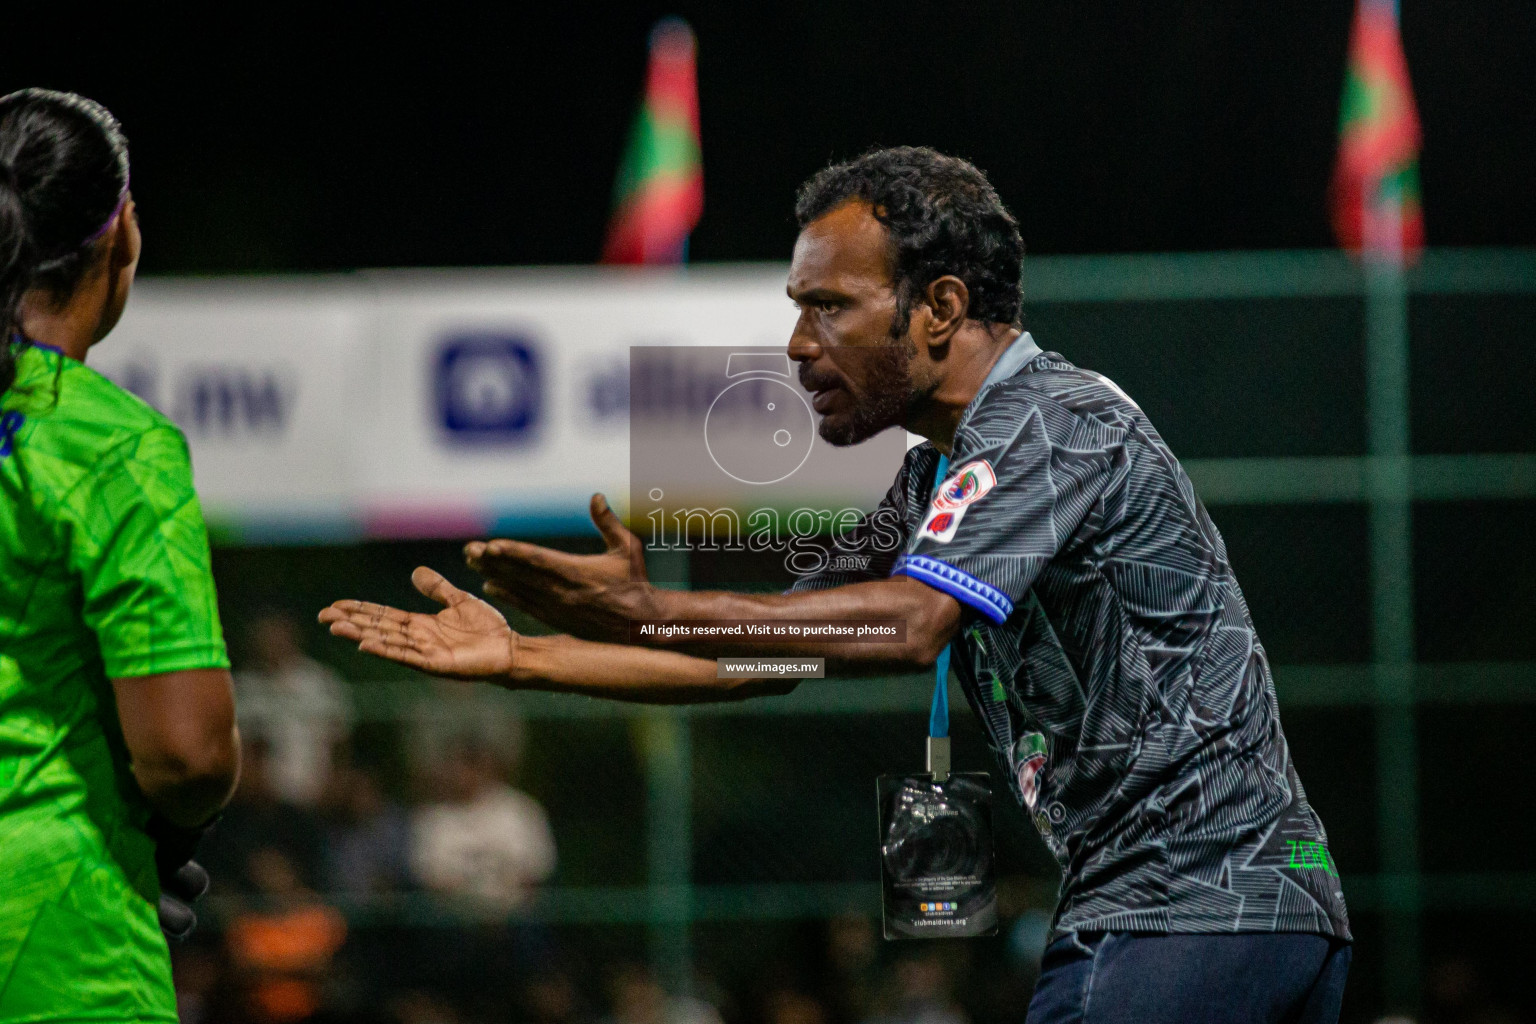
column 422, row 403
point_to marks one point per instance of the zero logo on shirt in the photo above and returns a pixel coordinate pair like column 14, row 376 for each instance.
column 965, row 485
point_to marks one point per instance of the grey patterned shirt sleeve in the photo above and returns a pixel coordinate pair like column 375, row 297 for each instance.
column 1023, row 477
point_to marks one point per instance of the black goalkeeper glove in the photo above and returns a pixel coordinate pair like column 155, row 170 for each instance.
column 182, row 879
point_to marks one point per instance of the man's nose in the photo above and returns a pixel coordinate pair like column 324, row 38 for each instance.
column 803, row 347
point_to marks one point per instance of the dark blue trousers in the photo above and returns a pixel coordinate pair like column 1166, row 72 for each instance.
column 1137, row 978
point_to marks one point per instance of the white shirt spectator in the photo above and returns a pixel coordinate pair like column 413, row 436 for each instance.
column 299, row 706
column 495, row 846
column 302, row 712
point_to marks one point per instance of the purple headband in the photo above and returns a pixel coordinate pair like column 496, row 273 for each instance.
column 122, row 200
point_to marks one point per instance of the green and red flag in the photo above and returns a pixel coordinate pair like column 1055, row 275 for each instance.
column 1375, row 190
column 659, row 194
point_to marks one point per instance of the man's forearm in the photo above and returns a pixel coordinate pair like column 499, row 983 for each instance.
column 564, row 664
column 930, row 619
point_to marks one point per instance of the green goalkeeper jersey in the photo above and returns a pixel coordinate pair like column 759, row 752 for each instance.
column 104, row 572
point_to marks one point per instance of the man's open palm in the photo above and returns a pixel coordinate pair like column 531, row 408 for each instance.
column 468, row 639
column 591, row 596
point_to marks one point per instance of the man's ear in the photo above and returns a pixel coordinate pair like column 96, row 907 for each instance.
column 948, row 302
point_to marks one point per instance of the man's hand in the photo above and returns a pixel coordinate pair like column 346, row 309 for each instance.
column 468, row 639
column 591, row 596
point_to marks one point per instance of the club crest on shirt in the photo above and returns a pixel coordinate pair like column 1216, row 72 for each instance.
column 941, row 524
column 1029, row 755
column 965, row 485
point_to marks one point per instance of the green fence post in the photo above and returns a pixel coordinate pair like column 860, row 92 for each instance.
column 666, row 747
column 1389, row 486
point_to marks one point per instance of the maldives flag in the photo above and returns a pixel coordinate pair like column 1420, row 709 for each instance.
column 659, row 194
column 1375, row 190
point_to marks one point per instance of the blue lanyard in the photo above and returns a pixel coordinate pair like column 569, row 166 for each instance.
column 1020, row 352
column 938, row 714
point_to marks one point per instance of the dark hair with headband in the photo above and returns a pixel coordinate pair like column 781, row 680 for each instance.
column 63, row 180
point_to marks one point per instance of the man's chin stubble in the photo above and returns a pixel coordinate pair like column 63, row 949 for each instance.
column 840, row 436
column 849, row 432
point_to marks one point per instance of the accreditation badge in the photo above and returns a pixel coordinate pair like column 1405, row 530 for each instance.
column 936, row 860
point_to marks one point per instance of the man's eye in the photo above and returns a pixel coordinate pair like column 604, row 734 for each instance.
column 828, row 306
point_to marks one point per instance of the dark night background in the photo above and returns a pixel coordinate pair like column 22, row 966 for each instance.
column 326, row 140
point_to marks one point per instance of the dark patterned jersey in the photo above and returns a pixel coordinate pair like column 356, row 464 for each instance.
column 1108, row 650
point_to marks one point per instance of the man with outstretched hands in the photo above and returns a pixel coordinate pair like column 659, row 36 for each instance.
column 1053, row 543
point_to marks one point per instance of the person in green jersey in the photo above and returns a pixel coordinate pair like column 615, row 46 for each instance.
column 117, row 734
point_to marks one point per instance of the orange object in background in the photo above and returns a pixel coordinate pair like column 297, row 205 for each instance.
column 285, row 954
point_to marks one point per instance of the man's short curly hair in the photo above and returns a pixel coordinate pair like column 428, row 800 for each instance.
column 943, row 217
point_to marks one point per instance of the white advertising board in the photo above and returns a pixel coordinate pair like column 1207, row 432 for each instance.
column 418, row 403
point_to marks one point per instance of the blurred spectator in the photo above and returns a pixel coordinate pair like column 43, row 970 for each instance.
column 791, row 1006
column 853, row 957
column 258, row 818
column 919, row 993
column 1457, row 992
column 300, row 707
column 418, row 1006
column 282, row 952
column 636, row 997
column 367, row 836
column 550, row 997
column 479, row 837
